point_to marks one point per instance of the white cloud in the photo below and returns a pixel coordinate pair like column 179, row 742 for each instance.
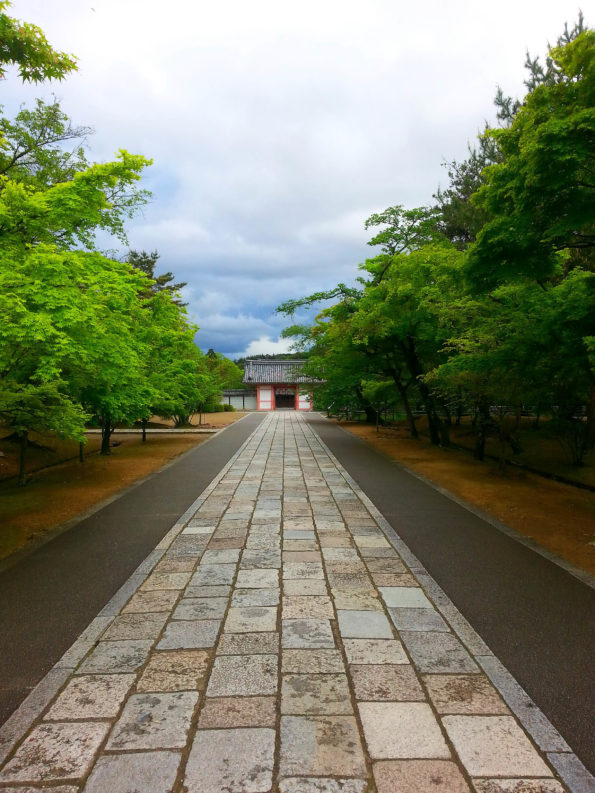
column 266, row 346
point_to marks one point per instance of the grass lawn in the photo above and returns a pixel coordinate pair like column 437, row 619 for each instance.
column 60, row 488
column 556, row 516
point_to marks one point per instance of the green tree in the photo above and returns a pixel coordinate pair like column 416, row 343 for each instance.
column 25, row 45
column 146, row 263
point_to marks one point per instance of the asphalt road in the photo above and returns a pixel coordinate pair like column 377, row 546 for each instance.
column 537, row 618
column 49, row 597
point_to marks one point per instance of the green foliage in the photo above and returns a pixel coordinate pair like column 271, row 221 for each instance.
column 26, row 45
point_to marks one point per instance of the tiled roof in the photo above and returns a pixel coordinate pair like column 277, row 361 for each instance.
column 275, row 372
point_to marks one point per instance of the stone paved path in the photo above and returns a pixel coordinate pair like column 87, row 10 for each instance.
column 275, row 641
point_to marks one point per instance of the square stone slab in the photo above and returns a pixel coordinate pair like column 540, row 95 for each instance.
column 176, row 564
column 156, row 600
column 493, row 746
column 295, row 534
column 154, row 721
column 380, row 682
column 356, row 600
column 418, row 776
column 437, row 652
column 220, row 556
column 92, row 697
column 312, row 661
column 408, row 619
column 248, row 643
column 56, row 751
column 111, row 657
column 464, row 694
column 258, row 579
column 307, row 607
column 302, row 587
column 315, row 694
column 304, row 785
column 517, row 786
column 261, row 559
column 213, row 574
column 307, row 633
column 321, row 746
column 402, row 730
column 243, row 675
column 226, row 712
column 394, row 579
column 255, row 597
column 149, row 772
column 300, row 570
column 364, row 625
column 371, row 541
column 180, row 670
column 386, row 566
column 375, row 651
column 166, row 581
column 405, row 597
column 301, row 556
column 251, row 619
column 200, row 608
column 189, row 634
column 220, row 591
column 136, row 626
column 238, row 760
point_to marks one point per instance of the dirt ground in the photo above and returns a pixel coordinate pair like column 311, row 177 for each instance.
column 61, row 491
column 558, row 517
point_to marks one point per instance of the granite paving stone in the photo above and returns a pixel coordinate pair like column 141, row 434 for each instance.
column 145, row 772
column 437, row 652
column 364, row 625
column 166, row 581
column 375, row 651
column 220, row 591
column 178, row 670
column 189, row 634
column 493, row 746
column 517, row 786
column 315, row 694
column 243, row 675
column 302, row 570
column 356, row 600
column 377, row 682
column 302, row 587
column 136, row 626
column 312, row 633
column 405, row 597
column 312, row 661
column 56, row 751
column 401, row 730
column 321, row 746
column 307, row 607
column 110, row 657
column 200, row 608
column 251, row 619
column 255, row 597
column 154, row 721
column 154, row 601
column 91, row 697
column 211, row 574
column 221, row 556
column 258, row 579
column 464, row 694
column 304, row 785
column 408, row 619
column 419, row 776
column 231, row 761
column 226, row 712
column 248, row 643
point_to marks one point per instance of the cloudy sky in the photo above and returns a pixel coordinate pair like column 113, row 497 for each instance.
column 276, row 128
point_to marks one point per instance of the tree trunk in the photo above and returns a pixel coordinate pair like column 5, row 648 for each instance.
column 402, row 389
column 144, row 426
column 106, row 434
column 590, row 433
column 81, row 452
column 481, row 424
column 22, row 456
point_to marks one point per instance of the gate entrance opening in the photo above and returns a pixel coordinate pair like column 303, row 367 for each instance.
column 284, row 399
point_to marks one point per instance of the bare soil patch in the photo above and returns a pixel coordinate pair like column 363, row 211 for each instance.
column 558, row 517
column 60, row 488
